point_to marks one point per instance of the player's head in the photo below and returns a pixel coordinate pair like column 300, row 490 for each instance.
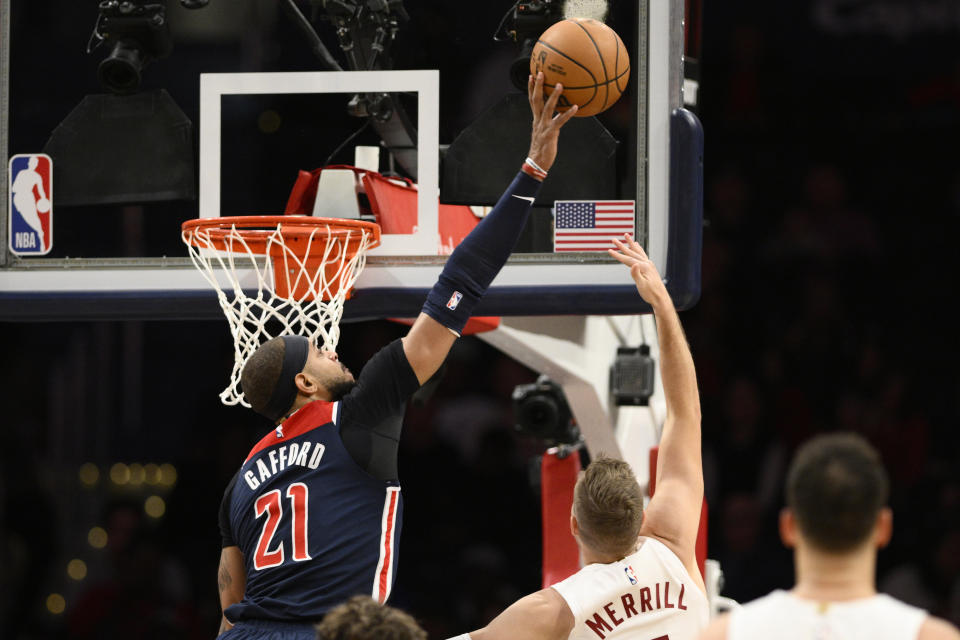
column 363, row 618
column 287, row 368
column 607, row 507
column 836, row 492
column 33, row 162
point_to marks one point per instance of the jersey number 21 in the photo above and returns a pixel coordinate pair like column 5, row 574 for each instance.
column 270, row 504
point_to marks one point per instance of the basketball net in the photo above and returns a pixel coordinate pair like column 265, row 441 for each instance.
column 279, row 275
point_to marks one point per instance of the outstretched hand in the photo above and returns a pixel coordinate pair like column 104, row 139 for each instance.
column 546, row 125
column 650, row 285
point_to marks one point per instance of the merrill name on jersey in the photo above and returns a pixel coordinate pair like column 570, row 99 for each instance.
column 634, row 603
column 303, row 454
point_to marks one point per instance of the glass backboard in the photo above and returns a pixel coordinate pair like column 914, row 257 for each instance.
column 239, row 103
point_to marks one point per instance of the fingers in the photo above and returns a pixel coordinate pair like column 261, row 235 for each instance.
column 561, row 118
column 551, row 104
column 535, row 94
column 625, row 259
column 630, row 247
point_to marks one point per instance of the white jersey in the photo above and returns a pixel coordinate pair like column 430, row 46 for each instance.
column 785, row 616
column 648, row 595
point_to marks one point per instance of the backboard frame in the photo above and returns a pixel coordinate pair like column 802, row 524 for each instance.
column 169, row 288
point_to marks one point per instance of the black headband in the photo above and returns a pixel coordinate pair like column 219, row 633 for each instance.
column 295, row 351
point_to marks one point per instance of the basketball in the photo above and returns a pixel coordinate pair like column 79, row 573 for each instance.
column 43, row 205
column 588, row 58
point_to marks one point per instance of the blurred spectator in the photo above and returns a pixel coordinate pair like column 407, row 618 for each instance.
column 363, row 618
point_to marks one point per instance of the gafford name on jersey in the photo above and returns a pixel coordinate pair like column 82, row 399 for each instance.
column 302, row 454
column 633, row 603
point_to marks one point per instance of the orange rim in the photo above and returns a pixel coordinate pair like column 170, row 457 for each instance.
column 256, row 230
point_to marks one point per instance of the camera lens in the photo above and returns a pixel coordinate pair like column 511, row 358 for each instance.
column 520, row 67
column 539, row 415
column 120, row 71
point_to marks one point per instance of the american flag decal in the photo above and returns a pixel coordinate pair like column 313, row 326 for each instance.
column 587, row 225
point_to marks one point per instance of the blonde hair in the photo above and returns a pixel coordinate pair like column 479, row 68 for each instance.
column 608, row 505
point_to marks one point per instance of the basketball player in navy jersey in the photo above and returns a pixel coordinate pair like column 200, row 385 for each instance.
column 640, row 578
column 313, row 515
column 835, row 521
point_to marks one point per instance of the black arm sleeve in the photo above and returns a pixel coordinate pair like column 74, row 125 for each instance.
column 371, row 415
column 226, row 534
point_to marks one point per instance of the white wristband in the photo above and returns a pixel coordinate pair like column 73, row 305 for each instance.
column 533, row 164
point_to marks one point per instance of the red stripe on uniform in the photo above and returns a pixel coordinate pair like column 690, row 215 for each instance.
column 387, row 551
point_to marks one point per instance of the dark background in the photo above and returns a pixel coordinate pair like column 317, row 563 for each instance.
column 832, row 202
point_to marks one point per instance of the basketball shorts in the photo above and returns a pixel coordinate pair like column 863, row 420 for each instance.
column 269, row 630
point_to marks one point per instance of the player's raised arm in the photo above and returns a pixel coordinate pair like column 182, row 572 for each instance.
column 477, row 260
column 673, row 515
column 539, row 616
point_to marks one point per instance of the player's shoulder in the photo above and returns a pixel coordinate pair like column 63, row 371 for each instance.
column 717, row 629
column 550, row 611
column 937, row 629
column 668, row 556
column 885, row 604
column 778, row 598
column 761, row 611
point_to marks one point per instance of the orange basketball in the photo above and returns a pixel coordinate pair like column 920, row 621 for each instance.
column 588, row 58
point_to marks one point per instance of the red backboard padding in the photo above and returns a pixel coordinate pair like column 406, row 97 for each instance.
column 561, row 558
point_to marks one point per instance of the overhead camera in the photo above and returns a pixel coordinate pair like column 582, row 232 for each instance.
column 523, row 24
column 541, row 411
column 632, row 376
column 365, row 28
column 137, row 33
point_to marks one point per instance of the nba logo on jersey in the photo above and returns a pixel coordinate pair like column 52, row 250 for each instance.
column 454, row 300
column 31, row 212
column 630, row 575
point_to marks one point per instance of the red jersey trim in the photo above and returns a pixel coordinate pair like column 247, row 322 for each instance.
column 316, row 414
column 384, row 575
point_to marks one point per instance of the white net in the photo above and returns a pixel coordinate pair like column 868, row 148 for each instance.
column 279, row 281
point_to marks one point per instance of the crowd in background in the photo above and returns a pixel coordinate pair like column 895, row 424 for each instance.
column 832, row 208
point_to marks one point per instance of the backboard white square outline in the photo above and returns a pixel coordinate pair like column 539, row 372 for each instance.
column 426, row 84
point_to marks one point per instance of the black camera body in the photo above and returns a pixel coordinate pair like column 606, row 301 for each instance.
column 533, row 17
column 529, row 19
column 632, row 376
column 541, row 411
column 137, row 33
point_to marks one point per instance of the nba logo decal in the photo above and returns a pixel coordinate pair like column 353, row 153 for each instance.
column 630, row 575
column 31, row 212
column 454, row 300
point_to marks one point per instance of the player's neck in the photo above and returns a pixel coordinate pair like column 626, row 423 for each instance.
column 835, row 577
column 589, row 556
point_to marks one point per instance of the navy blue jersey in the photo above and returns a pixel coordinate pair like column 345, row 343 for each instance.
column 314, row 526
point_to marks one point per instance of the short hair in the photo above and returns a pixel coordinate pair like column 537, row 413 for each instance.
column 608, row 505
column 836, row 487
column 363, row 618
column 260, row 373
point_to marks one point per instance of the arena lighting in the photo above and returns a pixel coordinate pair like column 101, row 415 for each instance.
column 126, row 146
column 631, row 376
column 541, row 411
